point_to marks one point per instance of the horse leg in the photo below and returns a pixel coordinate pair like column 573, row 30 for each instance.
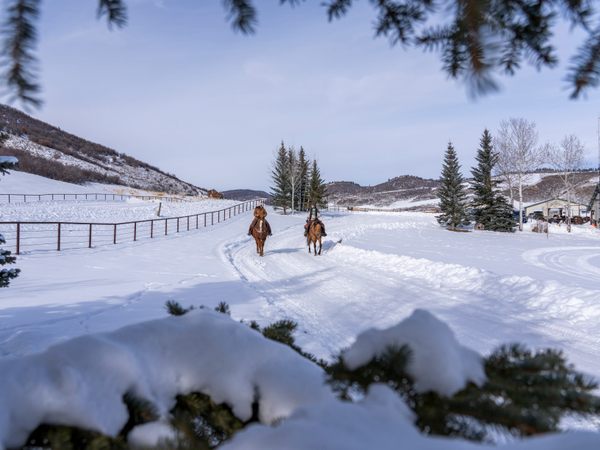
column 320, row 245
column 262, row 247
column 315, row 247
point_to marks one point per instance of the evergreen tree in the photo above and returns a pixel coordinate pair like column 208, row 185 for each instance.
column 451, row 193
column 280, row 190
column 526, row 393
column 491, row 209
column 293, row 177
column 5, row 255
column 303, row 184
column 317, row 193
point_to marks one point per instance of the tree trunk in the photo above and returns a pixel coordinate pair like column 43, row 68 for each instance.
column 520, row 204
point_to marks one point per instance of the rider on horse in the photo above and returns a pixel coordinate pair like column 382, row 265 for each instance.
column 259, row 213
column 313, row 217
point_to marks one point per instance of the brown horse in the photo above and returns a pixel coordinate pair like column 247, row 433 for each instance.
column 260, row 229
column 314, row 236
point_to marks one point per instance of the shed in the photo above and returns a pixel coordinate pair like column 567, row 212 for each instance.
column 556, row 206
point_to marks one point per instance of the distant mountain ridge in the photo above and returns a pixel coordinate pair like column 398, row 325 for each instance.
column 46, row 150
column 414, row 193
column 246, row 194
column 405, row 188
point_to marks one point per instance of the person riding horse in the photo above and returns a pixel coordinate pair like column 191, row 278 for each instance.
column 313, row 217
column 259, row 213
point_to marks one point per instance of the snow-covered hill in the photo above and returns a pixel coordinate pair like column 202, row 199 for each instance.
column 413, row 193
column 49, row 151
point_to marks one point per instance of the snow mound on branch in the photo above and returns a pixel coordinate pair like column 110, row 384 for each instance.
column 151, row 434
column 81, row 382
column 438, row 361
column 381, row 421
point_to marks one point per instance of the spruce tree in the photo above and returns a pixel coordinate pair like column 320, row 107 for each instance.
column 526, row 393
column 303, row 172
column 451, row 193
column 491, row 210
column 280, row 190
column 6, row 162
column 317, row 194
column 293, row 177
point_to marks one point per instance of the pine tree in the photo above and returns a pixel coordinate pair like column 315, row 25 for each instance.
column 491, row 210
column 317, row 193
column 526, row 393
column 281, row 191
column 5, row 255
column 451, row 193
column 303, row 172
column 293, row 177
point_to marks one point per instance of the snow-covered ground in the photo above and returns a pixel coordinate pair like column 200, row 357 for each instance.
column 27, row 183
column 375, row 270
column 491, row 288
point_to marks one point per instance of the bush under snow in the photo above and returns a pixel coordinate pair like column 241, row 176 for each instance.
column 82, row 383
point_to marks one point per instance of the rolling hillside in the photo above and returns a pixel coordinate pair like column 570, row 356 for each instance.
column 48, row 151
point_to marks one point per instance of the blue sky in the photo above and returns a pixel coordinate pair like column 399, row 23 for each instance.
column 179, row 89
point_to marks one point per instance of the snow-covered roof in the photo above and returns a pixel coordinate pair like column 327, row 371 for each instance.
column 8, row 160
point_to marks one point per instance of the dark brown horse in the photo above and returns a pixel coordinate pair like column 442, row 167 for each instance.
column 314, row 236
column 260, row 229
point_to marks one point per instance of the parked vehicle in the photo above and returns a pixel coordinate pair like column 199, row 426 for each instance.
column 516, row 216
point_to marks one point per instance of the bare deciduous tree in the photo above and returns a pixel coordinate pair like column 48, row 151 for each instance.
column 566, row 158
column 516, row 144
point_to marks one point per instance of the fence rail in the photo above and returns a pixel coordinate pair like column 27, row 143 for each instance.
column 49, row 236
column 91, row 196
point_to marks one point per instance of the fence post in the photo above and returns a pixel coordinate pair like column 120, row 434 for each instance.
column 212, row 218
column 8, row 198
column 166, row 220
column 18, row 238
column 152, row 228
column 58, row 240
column 135, row 231
column 188, row 223
column 90, row 239
column 115, row 234
column 24, row 199
column 178, row 224
column 204, row 220
column 52, row 198
column 196, row 221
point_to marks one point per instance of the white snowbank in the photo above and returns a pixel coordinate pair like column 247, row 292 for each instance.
column 438, row 363
column 381, row 421
column 8, row 160
column 152, row 434
column 81, row 382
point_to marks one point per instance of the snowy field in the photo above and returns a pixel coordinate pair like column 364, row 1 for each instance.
column 375, row 270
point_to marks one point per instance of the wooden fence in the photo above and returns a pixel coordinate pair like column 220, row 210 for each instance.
column 28, row 198
column 31, row 236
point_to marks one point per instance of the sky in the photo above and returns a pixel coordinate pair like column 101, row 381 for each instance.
column 179, row 89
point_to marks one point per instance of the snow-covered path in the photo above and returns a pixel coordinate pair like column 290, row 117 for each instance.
column 351, row 287
column 491, row 288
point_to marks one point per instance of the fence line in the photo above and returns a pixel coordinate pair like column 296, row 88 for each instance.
column 58, row 236
column 91, row 196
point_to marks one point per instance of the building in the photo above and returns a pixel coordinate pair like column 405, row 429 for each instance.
column 556, row 207
column 594, row 205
